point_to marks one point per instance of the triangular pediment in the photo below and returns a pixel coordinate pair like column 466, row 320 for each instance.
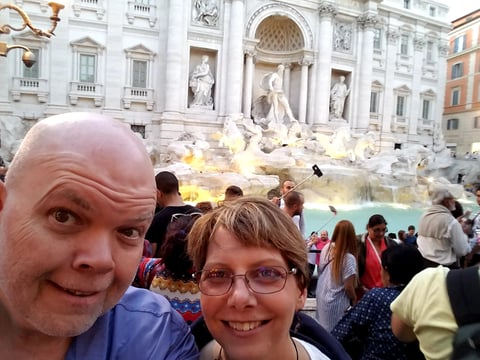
column 403, row 88
column 429, row 92
column 29, row 37
column 87, row 41
column 139, row 49
column 377, row 84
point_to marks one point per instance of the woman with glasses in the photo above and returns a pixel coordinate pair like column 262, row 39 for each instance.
column 370, row 248
column 337, row 275
column 253, row 277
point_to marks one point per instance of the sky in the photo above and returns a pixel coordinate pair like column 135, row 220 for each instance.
column 459, row 8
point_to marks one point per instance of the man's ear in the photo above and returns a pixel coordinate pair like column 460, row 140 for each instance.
column 3, row 194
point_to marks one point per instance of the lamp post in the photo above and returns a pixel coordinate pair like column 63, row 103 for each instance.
column 28, row 57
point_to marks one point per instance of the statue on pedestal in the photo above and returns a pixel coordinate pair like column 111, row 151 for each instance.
column 338, row 95
column 201, row 82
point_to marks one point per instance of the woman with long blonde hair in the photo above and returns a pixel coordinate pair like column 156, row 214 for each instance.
column 337, row 276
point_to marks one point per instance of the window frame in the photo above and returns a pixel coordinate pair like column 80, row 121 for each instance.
column 404, row 44
column 457, row 70
column 459, row 46
column 452, row 124
column 455, row 95
column 87, row 72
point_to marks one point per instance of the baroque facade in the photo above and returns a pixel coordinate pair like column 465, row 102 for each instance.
column 141, row 61
column 461, row 125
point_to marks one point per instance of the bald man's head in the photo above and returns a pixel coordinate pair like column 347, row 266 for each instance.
column 78, row 199
column 87, row 136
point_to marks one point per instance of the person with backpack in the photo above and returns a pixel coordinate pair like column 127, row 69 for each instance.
column 428, row 310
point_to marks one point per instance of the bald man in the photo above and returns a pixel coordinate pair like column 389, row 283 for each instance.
column 76, row 203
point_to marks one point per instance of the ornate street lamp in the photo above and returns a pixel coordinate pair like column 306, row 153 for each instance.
column 28, row 57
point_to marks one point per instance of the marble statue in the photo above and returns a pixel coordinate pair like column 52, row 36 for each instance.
column 274, row 106
column 201, row 82
column 206, row 12
column 338, row 94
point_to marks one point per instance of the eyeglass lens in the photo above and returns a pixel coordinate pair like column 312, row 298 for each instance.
column 262, row 280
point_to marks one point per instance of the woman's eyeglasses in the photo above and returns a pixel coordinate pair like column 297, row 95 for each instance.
column 262, row 280
column 179, row 215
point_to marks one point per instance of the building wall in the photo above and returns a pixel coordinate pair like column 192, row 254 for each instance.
column 170, row 37
column 461, row 122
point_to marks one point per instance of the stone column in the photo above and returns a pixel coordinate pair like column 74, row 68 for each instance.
column 367, row 23
column 174, row 56
column 327, row 11
column 234, row 34
column 286, row 80
column 302, row 101
column 416, row 104
column 248, row 85
column 388, row 106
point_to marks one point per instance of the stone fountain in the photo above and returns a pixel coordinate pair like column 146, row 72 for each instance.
column 257, row 154
column 262, row 153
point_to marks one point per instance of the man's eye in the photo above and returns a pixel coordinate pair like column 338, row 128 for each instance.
column 131, row 233
column 63, row 216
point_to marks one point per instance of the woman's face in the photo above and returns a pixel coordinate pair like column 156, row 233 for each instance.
column 246, row 324
column 377, row 232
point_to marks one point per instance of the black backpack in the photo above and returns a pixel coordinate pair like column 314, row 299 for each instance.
column 463, row 286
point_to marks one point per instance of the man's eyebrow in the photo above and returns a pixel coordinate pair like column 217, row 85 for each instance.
column 73, row 197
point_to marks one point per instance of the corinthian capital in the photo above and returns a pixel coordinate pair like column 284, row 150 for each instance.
column 327, row 9
column 368, row 21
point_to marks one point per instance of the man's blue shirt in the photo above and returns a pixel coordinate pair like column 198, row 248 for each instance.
column 141, row 326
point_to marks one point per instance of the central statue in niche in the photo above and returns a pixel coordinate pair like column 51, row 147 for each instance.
column 273, row 107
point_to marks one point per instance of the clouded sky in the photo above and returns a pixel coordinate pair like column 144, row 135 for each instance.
column 459, row 8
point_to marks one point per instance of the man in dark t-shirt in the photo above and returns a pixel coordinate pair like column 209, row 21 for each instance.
column 171, row 203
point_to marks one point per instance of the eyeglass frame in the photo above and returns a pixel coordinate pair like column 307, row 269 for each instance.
column 175, row 216
column 198, row 275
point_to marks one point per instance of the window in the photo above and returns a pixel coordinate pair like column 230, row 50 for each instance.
column 374, row 102
column 455, row 96
column 432, row 11
column 430, row 54
column 452, row 124
column 377, row 39
column 476, row 122
column 457, row 70
column 425, row 109
column 404, row 45
column 400, row 106
column 406, row 4
column 459, row 44
column 87, row 68
column 33, row 72
column 139, row 129
column 139, row 74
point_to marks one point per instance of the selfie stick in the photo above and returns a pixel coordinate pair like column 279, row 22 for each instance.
column 316, row 171
column 334, row 211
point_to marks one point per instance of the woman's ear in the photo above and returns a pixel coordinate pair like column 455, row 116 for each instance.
column 302, row 296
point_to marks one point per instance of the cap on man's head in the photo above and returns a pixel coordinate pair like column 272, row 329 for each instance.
column 439, row 195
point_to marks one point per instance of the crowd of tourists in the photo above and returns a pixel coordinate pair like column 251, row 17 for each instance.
column 83, row 218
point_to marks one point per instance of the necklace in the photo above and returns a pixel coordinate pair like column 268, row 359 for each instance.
column 220, row 353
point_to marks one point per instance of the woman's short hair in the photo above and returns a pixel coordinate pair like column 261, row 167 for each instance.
column 402, row 262
column 255, row 222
